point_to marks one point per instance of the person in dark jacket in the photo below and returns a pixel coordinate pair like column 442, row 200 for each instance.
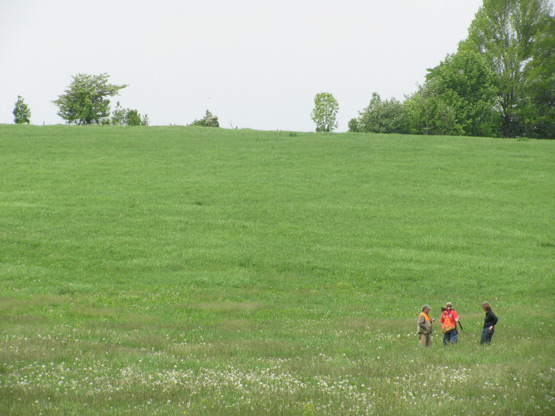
column 489, row 324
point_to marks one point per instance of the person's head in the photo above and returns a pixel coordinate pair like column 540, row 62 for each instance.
column 486, row 306
column 426, row 309
column 449, row 306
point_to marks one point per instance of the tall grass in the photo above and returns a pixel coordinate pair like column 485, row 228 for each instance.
column 207, row 271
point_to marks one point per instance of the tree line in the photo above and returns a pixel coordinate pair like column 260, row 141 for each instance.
column 86, row 101
column 499, row 83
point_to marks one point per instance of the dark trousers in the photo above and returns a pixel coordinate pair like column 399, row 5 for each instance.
column 450, row 337
column 487, row 335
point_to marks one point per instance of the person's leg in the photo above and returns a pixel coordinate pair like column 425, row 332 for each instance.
column 429, row 340
column 422, row 339
column 483, row 338
column 489, row 335
column 453, row 336
column 445, row 338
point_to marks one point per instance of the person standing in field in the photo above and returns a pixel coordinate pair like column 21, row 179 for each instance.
column 425, row 327
column 449, row 320
column 489, row 324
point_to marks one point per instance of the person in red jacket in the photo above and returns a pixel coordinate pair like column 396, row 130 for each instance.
column 449, row 320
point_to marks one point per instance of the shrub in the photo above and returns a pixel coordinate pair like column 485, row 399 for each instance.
column 382, row 116
column 209, row 120
column 128, row 117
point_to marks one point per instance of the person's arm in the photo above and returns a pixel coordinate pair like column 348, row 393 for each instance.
column 422, row 322
column 493, row 319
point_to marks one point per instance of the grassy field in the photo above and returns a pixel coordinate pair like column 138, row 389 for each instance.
column 191, row 271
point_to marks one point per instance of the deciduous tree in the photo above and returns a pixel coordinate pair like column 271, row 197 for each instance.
column 86, row 100
column 465, row 84
column 507, row 34
column 426, row 113
column 21, row 112
column 325, row 112
column 538, row 108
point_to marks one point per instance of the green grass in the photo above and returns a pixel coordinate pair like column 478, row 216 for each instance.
column 202, row 271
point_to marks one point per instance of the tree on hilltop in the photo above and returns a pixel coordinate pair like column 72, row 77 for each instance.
column 21, row 112
column 515, row 37
column 325, row 112
column 427, row 113
column 86, row 100
column 466, row 85
column 538, row 106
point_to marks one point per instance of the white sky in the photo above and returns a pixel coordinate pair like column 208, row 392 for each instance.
column 254, row 63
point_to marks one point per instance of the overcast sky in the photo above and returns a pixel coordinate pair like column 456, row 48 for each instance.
column 254, row 63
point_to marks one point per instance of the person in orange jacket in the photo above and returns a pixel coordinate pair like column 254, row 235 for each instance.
column 449, row 320
column 424, row 327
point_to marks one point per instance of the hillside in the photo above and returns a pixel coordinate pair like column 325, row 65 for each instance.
column 250, row 272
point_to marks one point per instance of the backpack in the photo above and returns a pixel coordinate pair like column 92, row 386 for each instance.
column 448, row 323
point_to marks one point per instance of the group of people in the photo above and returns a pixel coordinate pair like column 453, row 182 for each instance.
column 449, row 321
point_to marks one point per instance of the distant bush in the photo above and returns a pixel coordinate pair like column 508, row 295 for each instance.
column 381, row 116
column 353, row 126
column 425, row 112
column 128, row 117
column 209, row 120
